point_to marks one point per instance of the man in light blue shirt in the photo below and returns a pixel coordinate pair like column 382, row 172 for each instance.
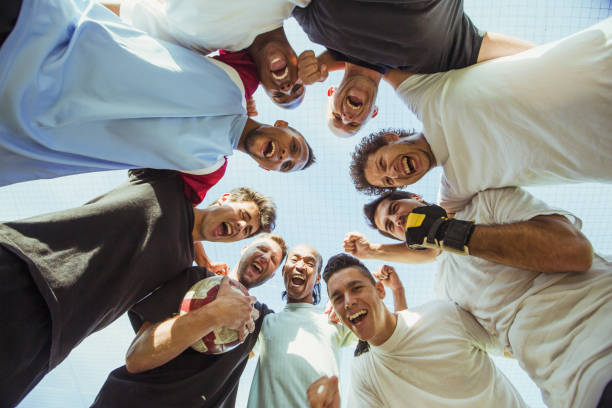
column 82, row 91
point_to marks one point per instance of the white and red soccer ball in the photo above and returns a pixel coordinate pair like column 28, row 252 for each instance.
column 203, row 292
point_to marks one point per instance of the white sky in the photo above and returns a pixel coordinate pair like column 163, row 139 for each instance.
column 317, row 206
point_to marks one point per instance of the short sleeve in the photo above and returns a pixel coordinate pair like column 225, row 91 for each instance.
column 510, row 205
column 165, row 301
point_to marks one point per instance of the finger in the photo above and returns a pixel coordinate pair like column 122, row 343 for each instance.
column 324, row 72
column 255, row 314
column 250, row 326
column 252, row 299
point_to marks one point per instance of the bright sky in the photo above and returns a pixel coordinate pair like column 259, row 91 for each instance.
column 317, row 206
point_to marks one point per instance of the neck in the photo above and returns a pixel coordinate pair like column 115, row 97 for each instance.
column 307, row 299
column 390, row 322
column 352, row 69
column 248, row 127
column 198, row 219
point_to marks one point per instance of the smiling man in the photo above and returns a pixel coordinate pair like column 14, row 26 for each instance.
column 368, row 38
column 488, row 126
column 71, row 273
column 155, row 105
column 161, row 369
column 542, row 292
column 413, row 351
column 299, row 344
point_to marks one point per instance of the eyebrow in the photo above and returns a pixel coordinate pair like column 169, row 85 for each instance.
column 348, row 286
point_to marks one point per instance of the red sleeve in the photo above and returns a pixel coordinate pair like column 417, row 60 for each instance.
column 242, row 62
column 197, row 185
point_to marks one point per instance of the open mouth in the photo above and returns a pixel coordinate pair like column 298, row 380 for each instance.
column 256, row 269
column 353, row 102
column 298, row 279
column 279, row 69
column 227, row 228
column 409, row 164
column 269, row 150
column 357, row 317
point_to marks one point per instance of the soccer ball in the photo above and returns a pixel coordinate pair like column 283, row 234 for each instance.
column 203, row 292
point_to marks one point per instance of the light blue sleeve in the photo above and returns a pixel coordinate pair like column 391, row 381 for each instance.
column 82, row 91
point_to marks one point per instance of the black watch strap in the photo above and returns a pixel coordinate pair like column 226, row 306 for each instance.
column 457, row 236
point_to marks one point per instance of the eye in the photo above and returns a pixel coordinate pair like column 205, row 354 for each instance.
column 393, row 208
column 337, row 117
column 293, row 147
column 297, row 89
column 248, row 231
column 388, row 226
column 286, row 166
column 388, row 181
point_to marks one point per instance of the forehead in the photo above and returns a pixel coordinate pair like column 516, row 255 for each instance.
column 304, row 151
column 304, row 251
column 268, row 243
column 381, row 212
column 342, row 278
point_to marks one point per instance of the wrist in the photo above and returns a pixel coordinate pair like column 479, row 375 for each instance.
column 398, row 290
column 373, row 251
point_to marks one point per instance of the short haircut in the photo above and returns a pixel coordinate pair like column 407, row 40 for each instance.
column 342, row 261
column 279, row 240
column 311, row 157
column 316, row 290
column 369, row 145
column 369, row 209
column 267, row 208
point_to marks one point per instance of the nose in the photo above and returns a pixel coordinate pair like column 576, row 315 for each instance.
column 347, row 118
column 285, row 86
column 241, row 225
column 348, row 300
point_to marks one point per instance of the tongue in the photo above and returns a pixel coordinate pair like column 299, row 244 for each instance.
column 297, row 281
column 278, row 64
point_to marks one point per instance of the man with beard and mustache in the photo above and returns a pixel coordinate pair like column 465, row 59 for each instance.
column 161, row 369
column 71, row 108
column 434, row 355
column 367, row 38
column 299, row 344
column 247, row 30
column 68, row 274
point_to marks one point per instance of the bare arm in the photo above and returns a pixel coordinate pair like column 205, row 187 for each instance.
column 396, row 77
column 114, row 7
column 357, row 245
column 387, row 275
column 547, row 243
column 495, row 45
column 156, row 344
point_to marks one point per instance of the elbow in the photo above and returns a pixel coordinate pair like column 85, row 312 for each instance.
column 583, row 256
column 135, row 365
column 577, row 257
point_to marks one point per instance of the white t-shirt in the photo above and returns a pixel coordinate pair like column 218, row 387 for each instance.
column 543, row 116
column 558, row 326
column 208, row 25
column 436, row 357
column 295, row 347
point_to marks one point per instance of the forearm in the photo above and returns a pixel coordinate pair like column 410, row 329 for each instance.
column 399, row 299
column 401, row 253
column 495, row 45
column 159, row 343
column 325, row 58
column 545, row 244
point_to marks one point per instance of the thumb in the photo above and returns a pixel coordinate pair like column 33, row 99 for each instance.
column 324, row 72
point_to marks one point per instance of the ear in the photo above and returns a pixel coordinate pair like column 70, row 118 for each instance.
column 380, row 290
column 262, row 167
column 375, row 112
column 417, row 197
column 281, row 124
column 318, row 278
column 223, row 198
column 331, row 90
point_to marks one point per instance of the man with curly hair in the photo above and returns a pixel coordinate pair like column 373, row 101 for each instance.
column 539, row 117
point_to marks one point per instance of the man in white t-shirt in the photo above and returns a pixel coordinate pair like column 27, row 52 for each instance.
column 431, row 355
column 538, row 117
column 206, row 26
column 299, row 344
column 530, row 279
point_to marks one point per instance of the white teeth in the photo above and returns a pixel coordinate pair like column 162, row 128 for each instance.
column 405, row 163
column 256, row 266
column 412, row 163
column 350, row 104
column 228, row 228
column 356, row 314
column 284, row 75
column 271, row 151
column 298, row 275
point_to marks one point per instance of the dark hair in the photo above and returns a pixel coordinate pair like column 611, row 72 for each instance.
column 369, row 209
column 311, row 157
column 316, row 290
column 342, row 261
column 265, row 205
column 369, row 145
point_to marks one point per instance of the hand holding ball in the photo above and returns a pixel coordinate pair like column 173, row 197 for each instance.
column 233, row 307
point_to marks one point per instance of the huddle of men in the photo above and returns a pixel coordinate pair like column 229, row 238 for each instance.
column 515, row 274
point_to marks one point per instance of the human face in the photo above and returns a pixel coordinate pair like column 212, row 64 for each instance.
column 278, row 73
column 229, row 221
column 300, row 273
column 277, row 147
column 352, row 104
column 258, row 262
column 390, row 215
column 401, row 162
column 358, row 302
